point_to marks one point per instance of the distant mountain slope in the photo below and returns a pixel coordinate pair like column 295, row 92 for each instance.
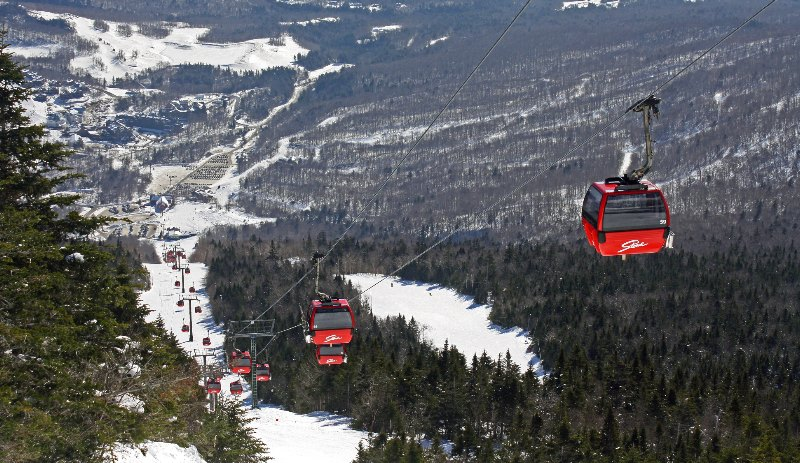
column 726, row 143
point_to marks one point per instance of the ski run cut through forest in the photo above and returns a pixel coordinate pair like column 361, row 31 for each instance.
column 288, row 434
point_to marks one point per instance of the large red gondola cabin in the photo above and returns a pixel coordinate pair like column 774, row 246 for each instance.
column 621, row 218
column 331, row 322
column 332, row 355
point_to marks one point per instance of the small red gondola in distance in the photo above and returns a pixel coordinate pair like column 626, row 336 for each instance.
column 622, row 219
column 331, row 321
column 185, row 328
column 236, row 387
column 263, row 372
column 331, row 355
column 214, row 386
column 206, row 341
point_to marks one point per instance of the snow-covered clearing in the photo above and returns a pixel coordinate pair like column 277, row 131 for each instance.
column 194, row 218
column 122, row 49
column 378, row 30
column 312, row 22
column 446, row 316
column 435, row 41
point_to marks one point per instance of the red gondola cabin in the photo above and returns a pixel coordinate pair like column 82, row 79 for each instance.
column 331, row 322
column 206, row 341
column 177, row 283
column 187, row 270
column 185, row 328
column 331, row 355
column 236, row 387
column 180, row 303
column 241, row 364
column 191, row 289
column 198, row 309
column 263, row 372
column 214, row 386
column 622, row 219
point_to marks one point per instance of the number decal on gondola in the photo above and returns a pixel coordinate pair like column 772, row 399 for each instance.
column 331, row 361
column 332, row 337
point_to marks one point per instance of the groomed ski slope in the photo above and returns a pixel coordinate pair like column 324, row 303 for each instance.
column 286, row 434
column 446, row 316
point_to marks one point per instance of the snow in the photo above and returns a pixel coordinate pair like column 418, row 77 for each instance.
column 288, row 436
column 435, row 41
column 117, row 55
column 155, row 452
column 164, row 176
column 329, row 121
column 34, row 51
column 446, row 316
column 384, row 29
column 314, row 21
column 129, row 402
column 75, row 257
column 36, row 111
column 587, row 3
column 331, row 68
column 194, row 218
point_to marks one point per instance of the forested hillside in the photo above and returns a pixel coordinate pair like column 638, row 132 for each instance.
column 726, row 143
column 80, row 369
column 681, row 356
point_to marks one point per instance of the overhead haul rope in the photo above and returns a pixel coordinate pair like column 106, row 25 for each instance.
column 529, row 180
column 389, row 177
column 573, row 150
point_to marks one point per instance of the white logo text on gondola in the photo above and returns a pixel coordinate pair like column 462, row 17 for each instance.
column 632, row 244
column 332, row 337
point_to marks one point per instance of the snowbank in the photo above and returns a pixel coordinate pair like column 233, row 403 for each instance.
column 154, row 452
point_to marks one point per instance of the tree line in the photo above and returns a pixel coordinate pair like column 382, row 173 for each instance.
column 681, row 356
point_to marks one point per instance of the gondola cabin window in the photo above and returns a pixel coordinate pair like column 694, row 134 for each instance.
column 634, row 212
